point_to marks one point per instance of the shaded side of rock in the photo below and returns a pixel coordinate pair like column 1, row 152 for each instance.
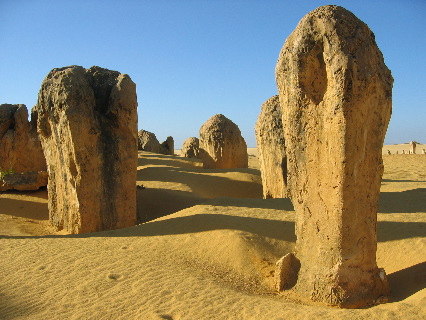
column 24, row 181
column 222, row 145
column 87, row 122
column 335, row 91
column 191, row 148
column 271, row 149
column 168, row 146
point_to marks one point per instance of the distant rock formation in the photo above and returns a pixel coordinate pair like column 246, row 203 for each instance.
column 168, row 146
column 413, row 145
column 336, row 94
column 221, row 144
column 191, row 148
column 271, row 148
column 147, row 141
column 88, row 128
column 20, row 149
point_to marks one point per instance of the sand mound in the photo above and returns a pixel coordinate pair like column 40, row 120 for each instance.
column 213, row 259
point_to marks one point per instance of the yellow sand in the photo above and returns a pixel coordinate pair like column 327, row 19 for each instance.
column 211, row 257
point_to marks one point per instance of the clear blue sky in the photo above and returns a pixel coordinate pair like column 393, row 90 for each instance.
column 193, row 59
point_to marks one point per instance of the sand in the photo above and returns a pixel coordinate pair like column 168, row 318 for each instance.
column 210, row 253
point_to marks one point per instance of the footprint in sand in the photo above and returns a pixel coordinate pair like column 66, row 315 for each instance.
column 115, row 276
column 43, row 267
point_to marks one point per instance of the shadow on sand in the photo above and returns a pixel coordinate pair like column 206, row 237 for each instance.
column 408, row 281
column 201, row 183
column 24, row 209
column 154, row 203
column 203, row 222
column 410, row 201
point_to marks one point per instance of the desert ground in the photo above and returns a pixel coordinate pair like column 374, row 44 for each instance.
column 205, row 248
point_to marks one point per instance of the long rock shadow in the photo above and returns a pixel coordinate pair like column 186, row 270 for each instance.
column 277, row 229
column 194, row 164
column 277, row 204
column 390, row 230
column 201, row 183
column 393, row 180
column 154, row 203
column 406, row 201
column 41, row 193
column 24, row 209
column 283, row 230
column 166, row 160
column 408, row 281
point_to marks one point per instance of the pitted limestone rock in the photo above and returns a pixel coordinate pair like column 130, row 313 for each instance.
column 336, row 96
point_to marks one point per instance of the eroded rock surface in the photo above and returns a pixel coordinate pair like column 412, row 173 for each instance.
column 147, row 141
column 271, row 149
column 221, row 144
column 336, row 92
column 20, row 148
column 191, row 148
column 87, row 121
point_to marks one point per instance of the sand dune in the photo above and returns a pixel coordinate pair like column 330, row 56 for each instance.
column 209, row 254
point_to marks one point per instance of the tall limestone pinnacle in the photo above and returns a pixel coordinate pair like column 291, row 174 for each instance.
column 336, row 97
column 87, row 123
column 271, row 148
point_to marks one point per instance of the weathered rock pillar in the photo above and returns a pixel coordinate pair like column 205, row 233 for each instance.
column 88, row 127
column 147, row 141
column 336, row 94
column 413, row 145
column 168, row 146
column 191, row 148
column 271, row 148
column 222, row 145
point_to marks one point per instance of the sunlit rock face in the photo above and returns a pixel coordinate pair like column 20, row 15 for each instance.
column 271, row 149
column 147, row 141
column 191, row 148
column 88, row 128
column 336, row 97
column 221, row 144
